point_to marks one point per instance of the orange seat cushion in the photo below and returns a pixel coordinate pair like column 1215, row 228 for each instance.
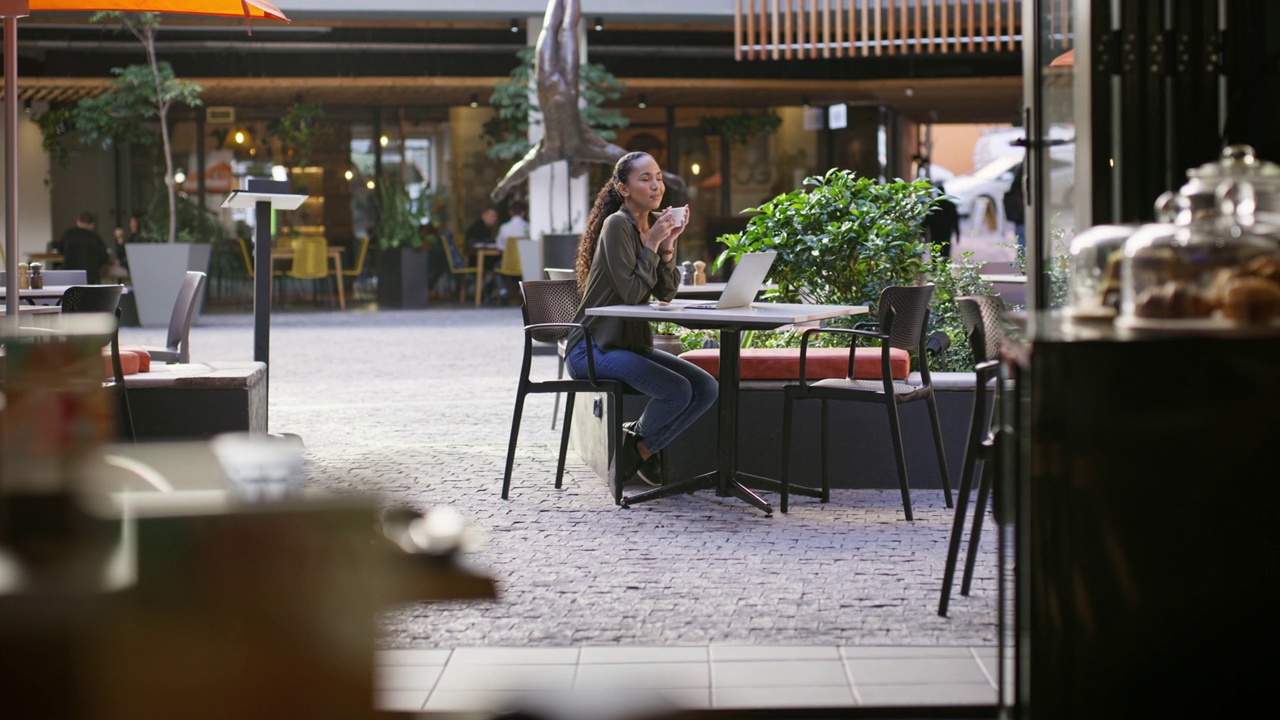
column 144, row 357
column 784, row 363
column 129, row 363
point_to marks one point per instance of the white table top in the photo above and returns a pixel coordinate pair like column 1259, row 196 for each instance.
column 759, row 313
column 33, row 310
column 48, row 291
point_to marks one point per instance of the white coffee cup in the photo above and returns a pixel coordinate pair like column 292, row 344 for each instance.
column 678, row 214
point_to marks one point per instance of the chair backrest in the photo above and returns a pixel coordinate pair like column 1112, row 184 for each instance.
column 511, row 258
column 244, row 255
column 561, row 274
column 457, row 261
column 549, row 301
column 184, row 308
column 904, row 311
column 360, row 256
column 982, row 316
column 91, row 298
column 310, row 258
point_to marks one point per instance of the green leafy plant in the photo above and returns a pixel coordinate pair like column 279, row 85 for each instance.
column 514, row 111
column 295, row 130
column 55, row 124
column 401, row 216
column 737, row 129
column 138, row 95
column 842, row 239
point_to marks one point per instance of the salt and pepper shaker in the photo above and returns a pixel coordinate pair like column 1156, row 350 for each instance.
column 699, row 273
column 686, row 273
column 37, row 276
column 24, row 282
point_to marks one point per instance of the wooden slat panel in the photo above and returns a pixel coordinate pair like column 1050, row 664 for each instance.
column 876, row 36
column 971, row 26
column 786, row 29
column 737, row 29
column 764, row 27
column 892, row 30
column 928, row 14
column 838, row 35
column 800, row 36
column 774, row 26
column 826, row 28
column 813, row 28
column 916, row 30
column 751, row 29
column 903, row 28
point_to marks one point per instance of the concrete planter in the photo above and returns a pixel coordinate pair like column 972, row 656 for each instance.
column 156, row 272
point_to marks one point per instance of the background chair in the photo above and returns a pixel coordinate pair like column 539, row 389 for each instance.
column 177, row 346
column 459, row 266
column 983, row 319
column 358, row 269
column 508, row 271
column 559, row 274
column 104, row 299
column 310, row 260
column 548, row 310
column 903, row 314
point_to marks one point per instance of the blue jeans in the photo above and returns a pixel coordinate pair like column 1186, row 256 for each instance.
column 678, row 390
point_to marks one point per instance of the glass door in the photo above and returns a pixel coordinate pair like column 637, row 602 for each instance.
column 1056, row 181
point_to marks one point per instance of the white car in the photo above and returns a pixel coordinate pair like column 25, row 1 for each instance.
column 987, row 184
column 983, row 190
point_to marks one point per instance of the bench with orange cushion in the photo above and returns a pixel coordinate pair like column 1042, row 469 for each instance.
column 820, row 363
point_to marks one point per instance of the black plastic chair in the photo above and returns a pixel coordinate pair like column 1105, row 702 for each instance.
column 983, row 318
column 177, row 347
column 903, row 316
column 104, row 299
column 549, row 308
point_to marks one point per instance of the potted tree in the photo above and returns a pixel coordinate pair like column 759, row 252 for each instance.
column 139, row 99
column 404, row 234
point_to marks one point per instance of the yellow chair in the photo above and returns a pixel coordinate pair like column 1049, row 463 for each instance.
column 360, row 255
column 458, row 265
column 510, row 266
column 310, row 259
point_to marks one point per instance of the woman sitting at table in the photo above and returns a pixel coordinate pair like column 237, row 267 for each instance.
column 625, row 256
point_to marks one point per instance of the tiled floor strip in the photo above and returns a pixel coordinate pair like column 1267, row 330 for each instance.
column 716, row 676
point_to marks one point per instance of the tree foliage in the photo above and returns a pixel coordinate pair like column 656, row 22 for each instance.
column 515, row 111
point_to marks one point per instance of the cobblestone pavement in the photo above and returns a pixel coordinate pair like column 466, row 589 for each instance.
column 415, row 406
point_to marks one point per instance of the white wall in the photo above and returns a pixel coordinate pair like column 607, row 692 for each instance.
column 35, row 226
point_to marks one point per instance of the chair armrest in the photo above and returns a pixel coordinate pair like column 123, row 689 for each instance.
column 591, row 360
column 804, row 343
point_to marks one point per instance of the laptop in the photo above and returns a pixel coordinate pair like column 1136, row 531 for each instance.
column 746, row 280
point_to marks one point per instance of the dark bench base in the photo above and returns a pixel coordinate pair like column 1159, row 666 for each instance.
column 198, row 401
column 861, row 454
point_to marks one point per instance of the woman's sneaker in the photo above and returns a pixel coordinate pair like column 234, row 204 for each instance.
column 650, row 471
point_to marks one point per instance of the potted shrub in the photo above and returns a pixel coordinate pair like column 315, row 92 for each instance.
column 135, row 109
column 841, row 239
column 404, row 236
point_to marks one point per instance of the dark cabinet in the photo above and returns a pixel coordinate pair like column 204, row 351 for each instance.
column 1147, row 523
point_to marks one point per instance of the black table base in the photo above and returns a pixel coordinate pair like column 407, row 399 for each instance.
column 725, row 479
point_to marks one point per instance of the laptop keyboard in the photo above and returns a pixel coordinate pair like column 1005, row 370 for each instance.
column 705, row 306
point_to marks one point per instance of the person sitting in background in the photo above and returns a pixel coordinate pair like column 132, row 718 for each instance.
column 119, row 267
column 481, row 231
column 83, row 249
column 516, row 227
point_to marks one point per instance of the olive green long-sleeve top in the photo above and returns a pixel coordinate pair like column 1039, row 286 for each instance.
column 623, row 272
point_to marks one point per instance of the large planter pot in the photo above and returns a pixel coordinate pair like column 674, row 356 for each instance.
column 403, row 275
column 156, row 271
column 669, row 343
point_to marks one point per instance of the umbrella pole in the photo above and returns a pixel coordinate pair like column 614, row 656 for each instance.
column 11, row 15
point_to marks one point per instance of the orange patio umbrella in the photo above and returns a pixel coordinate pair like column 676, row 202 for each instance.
column 11, row 10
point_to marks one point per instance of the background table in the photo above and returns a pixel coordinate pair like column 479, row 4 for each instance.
column 730, row 323
column 335, row 254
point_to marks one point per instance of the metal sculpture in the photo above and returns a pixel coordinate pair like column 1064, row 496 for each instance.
column 565, row 135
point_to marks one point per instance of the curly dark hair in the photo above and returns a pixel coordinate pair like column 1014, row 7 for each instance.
column 608, row 200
